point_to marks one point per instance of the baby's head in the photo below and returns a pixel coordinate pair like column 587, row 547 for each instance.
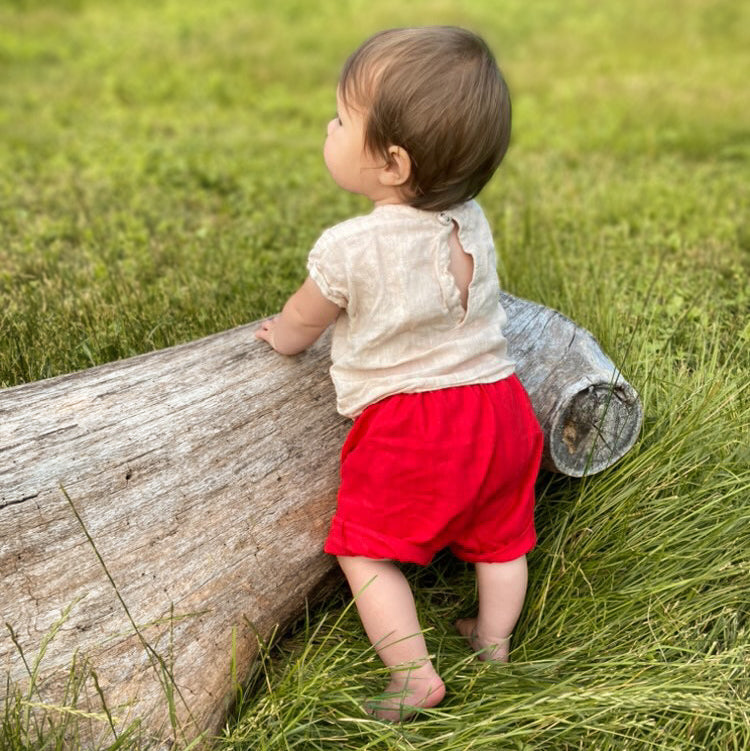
column 437, row 93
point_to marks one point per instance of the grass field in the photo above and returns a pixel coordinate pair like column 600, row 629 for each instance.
column 161, row 178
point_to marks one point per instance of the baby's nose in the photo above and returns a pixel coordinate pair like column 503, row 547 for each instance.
column 331, row 125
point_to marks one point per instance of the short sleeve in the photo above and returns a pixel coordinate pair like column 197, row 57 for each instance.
column 327, row 268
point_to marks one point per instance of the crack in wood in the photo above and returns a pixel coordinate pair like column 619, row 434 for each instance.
column 6, row 504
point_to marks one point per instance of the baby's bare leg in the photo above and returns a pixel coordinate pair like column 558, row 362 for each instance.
column 386, row 606
column 502, row 589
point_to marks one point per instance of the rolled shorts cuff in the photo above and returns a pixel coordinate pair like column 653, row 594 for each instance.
column 518, row 547
column 351, row 539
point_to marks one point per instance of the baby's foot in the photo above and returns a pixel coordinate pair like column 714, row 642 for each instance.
column 489, row 648
column 402, row 699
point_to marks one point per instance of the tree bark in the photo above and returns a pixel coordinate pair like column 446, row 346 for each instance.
column 173, row 506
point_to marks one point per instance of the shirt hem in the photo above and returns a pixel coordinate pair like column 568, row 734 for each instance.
column 355, row 410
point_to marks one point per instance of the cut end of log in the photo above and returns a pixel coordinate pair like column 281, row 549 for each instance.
column 599, row 425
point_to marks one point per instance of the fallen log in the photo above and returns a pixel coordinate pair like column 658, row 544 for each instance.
column 173, row 506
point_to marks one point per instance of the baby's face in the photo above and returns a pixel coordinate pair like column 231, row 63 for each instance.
column 351, row 167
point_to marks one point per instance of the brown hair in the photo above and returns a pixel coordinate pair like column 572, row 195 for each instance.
column 437, row 93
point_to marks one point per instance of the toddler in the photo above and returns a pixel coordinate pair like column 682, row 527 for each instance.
column 445, row 448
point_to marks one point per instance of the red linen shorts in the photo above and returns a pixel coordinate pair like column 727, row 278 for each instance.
column 454, row 467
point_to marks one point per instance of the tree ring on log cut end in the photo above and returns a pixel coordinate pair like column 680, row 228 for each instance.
column 597, row 426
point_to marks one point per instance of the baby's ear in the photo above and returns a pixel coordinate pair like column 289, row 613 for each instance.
column 397, row 169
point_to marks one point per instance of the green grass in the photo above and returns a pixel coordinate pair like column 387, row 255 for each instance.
column 161, row 179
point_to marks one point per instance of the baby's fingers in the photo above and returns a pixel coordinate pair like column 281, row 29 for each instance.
column 265, row 331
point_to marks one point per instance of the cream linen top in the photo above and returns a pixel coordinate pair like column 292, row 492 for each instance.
column 403, row 328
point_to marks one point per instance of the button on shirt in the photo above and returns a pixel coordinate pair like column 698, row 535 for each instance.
column 403, row 328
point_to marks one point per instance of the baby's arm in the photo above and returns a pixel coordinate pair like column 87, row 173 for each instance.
column 306, row 315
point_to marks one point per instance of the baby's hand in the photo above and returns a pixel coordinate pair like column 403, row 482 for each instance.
column 265, row 332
